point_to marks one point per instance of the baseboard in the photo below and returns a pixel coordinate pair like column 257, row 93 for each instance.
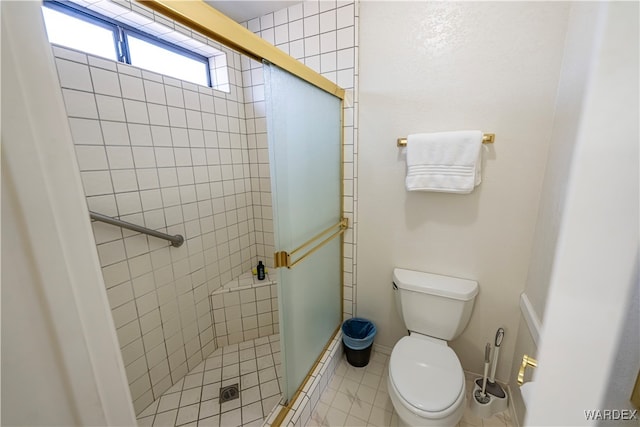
column 512, row 408
column 382, row 349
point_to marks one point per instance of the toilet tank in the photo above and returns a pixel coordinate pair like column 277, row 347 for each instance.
column 434, row 305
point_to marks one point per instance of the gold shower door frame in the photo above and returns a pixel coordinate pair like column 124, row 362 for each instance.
column 209, row 22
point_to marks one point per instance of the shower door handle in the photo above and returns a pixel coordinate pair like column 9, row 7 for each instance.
column 283, row 258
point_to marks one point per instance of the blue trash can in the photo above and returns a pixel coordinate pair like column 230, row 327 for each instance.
column 357, row 340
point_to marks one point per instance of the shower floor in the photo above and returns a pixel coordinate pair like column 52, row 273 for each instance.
column 195, row 400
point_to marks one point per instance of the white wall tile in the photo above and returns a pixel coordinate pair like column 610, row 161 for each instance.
column 124, row 180
column 179, row 137
column 73, row 75
column 124, row 314
column 139, row 265
column 158, row 114
column 345, row 59
column 345, row 16
column 85, row 132
column 119, row 295
column 161, row 136
column 144, row 157
column 132, row 87
column 110, row 108
column 71, row 55
column 105, row 204
column 154, row 92
column 95, row 61
column 327, row 5
column 310, row 7
column 311, row 46
column 80, row 104
column 128, row 203
column 151, row 199
column 96, row 183
column 120, row 157
column 112, row 252
column 280, row 17
column 140, row 134
column 266, row 21
column 345, row 38
column 174, row 96
column 281, row 34
column 191, row 100
column 91, row 157
column 136, row 111
column 105, row 82
column 164, row 157
column 328, row 42
column 115, row 133
column 296, row 49
column 136, row 245
column 311, row 26
column 177, row 117
column 194, row 120
column 328, row 21
column 147, row 178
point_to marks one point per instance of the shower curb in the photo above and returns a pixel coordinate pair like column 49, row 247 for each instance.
column 306, row 401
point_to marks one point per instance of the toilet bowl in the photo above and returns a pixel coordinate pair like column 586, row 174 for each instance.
column 426, row 382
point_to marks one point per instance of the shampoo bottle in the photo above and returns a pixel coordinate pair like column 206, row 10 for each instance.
column 260, row 270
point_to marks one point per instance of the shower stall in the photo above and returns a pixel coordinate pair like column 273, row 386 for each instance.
column 245, row 175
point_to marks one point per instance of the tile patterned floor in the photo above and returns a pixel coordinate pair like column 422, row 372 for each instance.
column 358, row 397
column 194, row 400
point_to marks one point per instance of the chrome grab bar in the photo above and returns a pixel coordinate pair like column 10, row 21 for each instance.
column 176, row 241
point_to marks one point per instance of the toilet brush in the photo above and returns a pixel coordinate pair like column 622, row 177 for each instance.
column 481, row 395
column 492, row 387
column 489, row 396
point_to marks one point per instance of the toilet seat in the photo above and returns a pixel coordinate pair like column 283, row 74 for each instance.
column 427, row 376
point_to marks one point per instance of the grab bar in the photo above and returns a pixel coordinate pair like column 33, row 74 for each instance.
column 283, row 258
column 176, row 241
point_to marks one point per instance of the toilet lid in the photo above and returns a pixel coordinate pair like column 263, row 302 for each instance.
column 427, row 375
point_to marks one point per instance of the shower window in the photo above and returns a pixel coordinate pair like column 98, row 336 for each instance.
column 85, row 30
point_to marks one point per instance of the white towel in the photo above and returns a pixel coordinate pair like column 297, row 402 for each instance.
column 447, row 162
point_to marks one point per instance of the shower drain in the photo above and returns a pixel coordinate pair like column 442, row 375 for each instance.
column 229, row 392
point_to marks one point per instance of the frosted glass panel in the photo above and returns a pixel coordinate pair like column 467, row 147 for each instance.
column 305, row 159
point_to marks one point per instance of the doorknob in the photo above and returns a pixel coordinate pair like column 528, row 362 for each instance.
column 526, row 361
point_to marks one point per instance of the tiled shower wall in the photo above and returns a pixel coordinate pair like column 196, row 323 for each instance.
column 324, row 36
column 187, row 159
column 255, row 114
column 172, row 156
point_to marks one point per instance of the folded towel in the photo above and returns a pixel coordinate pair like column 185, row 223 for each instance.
column 446, row 161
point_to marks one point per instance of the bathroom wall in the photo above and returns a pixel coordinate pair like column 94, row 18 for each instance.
column 449, row 66
column 324, row 36
column 578, row 51
column 595, row 269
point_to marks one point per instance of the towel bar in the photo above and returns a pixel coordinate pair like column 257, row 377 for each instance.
column 487, row 138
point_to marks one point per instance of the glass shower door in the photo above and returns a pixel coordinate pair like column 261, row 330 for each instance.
column 304, row 132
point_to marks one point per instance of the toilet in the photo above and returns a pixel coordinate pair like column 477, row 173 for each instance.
column 426, row 380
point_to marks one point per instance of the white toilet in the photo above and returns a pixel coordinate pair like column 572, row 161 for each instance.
column 426, row 381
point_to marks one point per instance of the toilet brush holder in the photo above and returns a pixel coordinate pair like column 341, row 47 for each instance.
column 486, row 408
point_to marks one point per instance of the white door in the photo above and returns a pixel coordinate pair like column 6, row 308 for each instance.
column 596, row 265
column 61, row 364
